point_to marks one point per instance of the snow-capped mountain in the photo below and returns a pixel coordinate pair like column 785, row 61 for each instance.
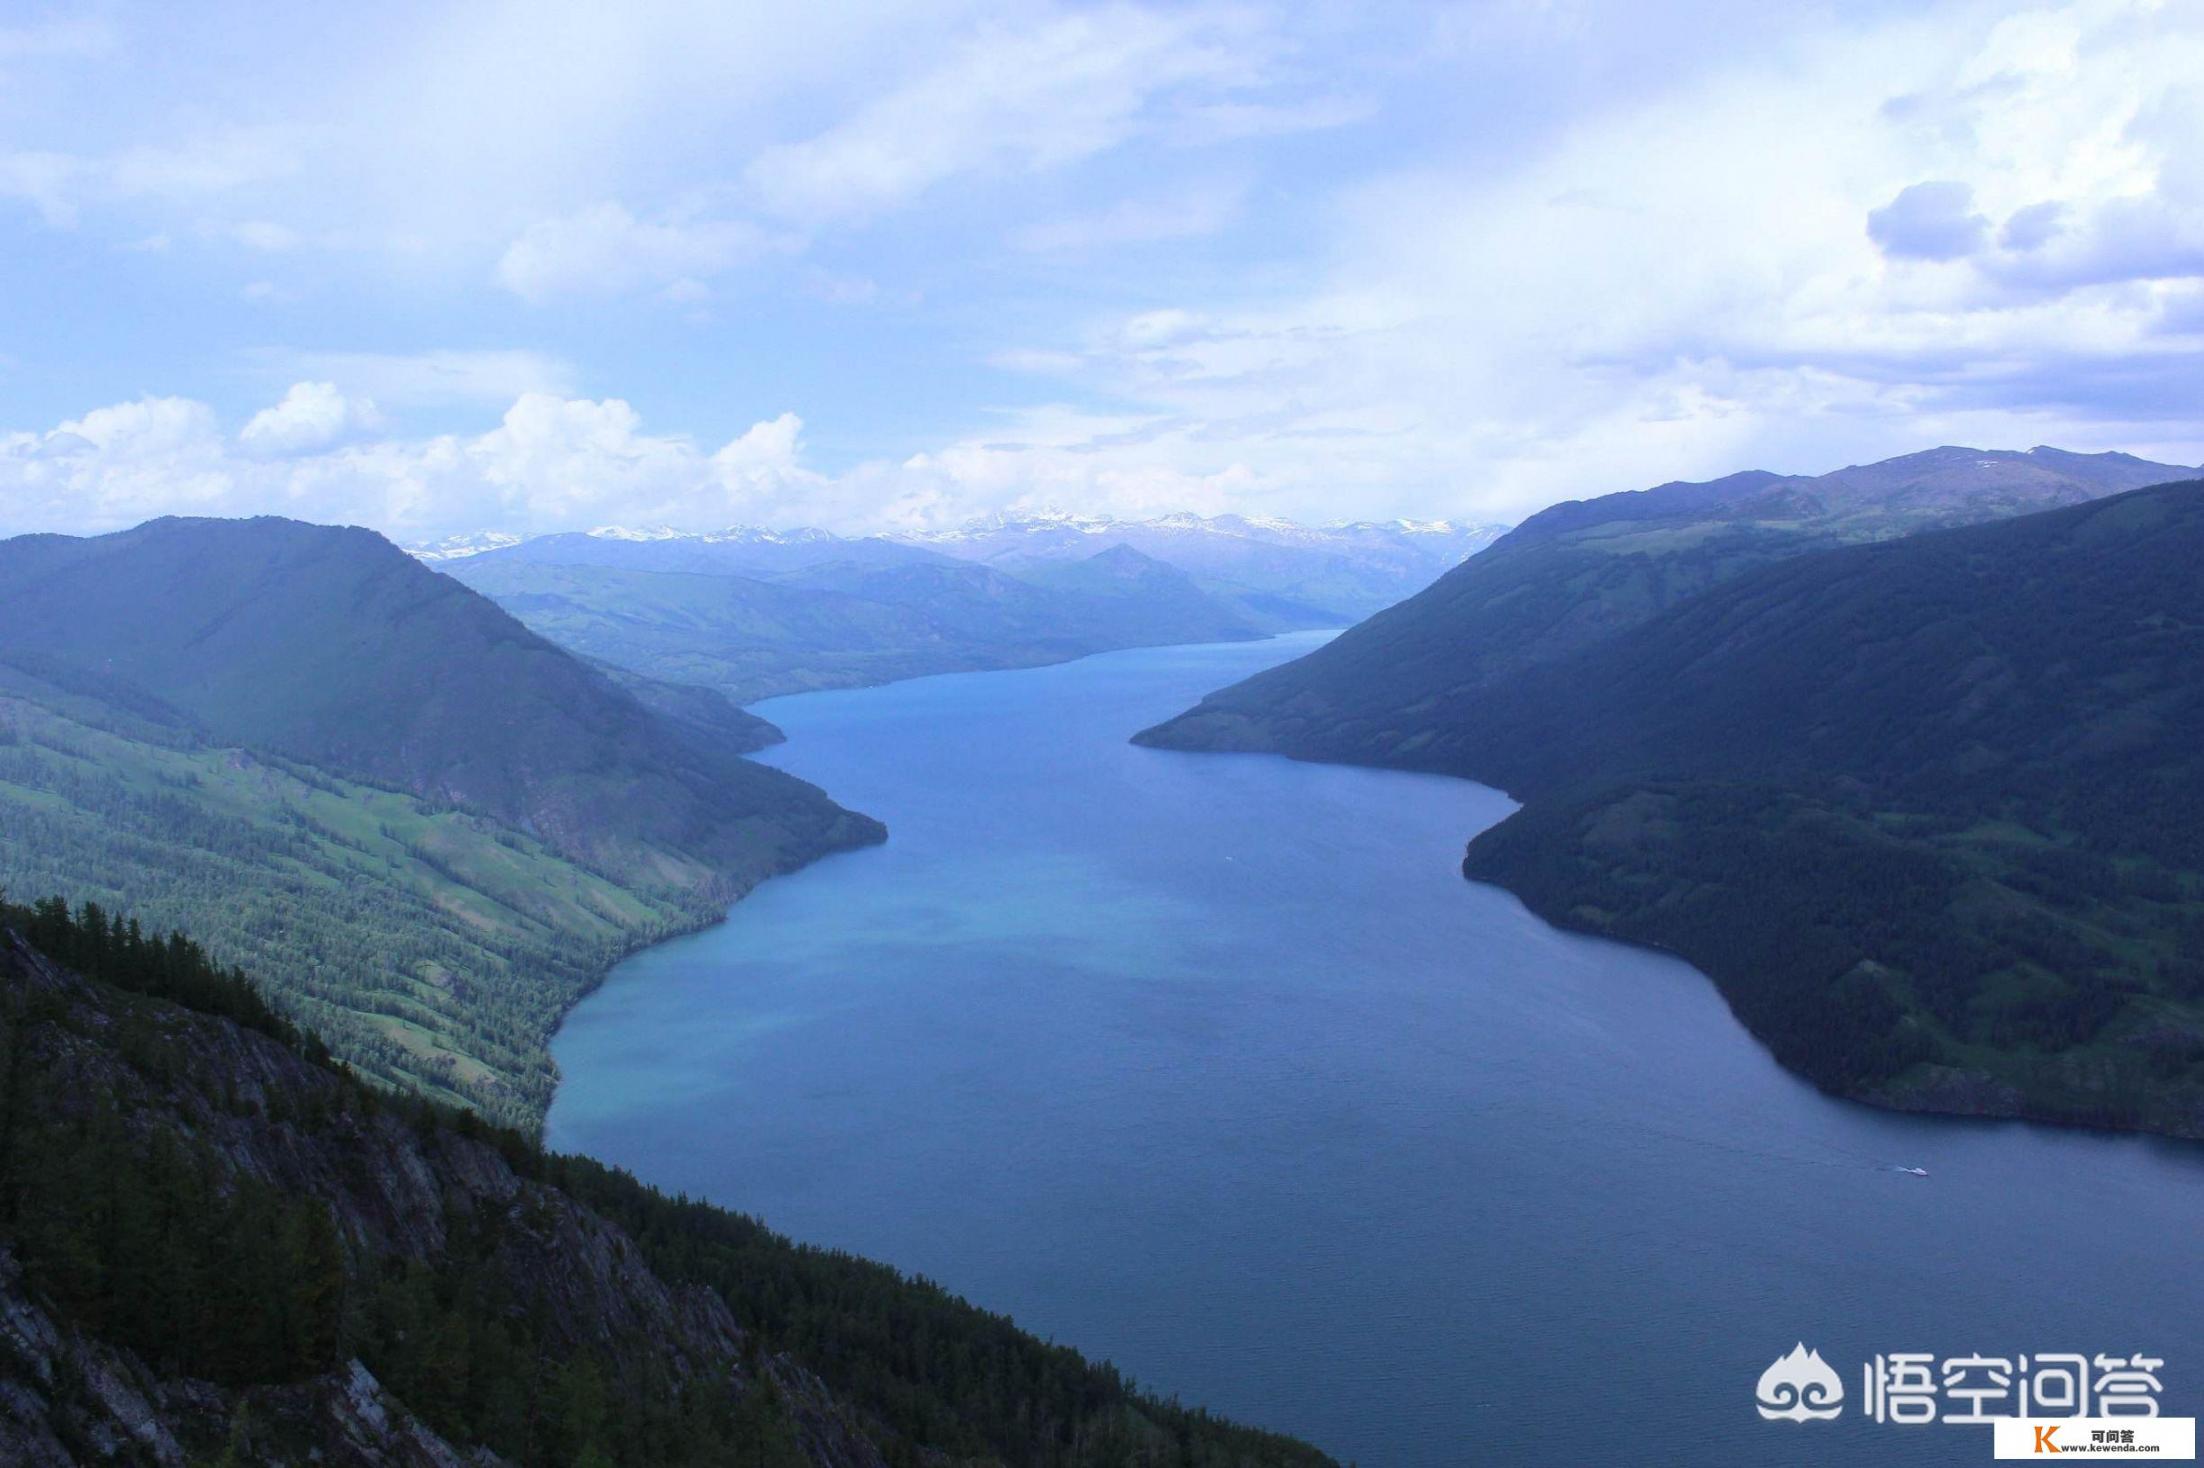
column 481, row 542
column 459, row 547
column 732, row 535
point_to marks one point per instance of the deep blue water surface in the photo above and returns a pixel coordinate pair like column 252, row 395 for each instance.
column 1215, row 1066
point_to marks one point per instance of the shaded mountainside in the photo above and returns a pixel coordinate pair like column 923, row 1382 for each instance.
column 215, row 1246
column 342, row 768
column 1151, row 600
column 797, row 620
column 1932, row 812
column 704, row 714
column 1927, row 810
column 1579, row 573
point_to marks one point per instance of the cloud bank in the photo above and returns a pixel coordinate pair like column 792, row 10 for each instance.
column 955, row 259
column 548, row 463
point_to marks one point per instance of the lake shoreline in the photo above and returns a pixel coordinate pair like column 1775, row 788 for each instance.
column 1944, row 1091
column 1194, row 1062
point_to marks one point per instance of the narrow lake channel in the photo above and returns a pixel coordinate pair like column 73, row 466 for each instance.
column 1214, row 1066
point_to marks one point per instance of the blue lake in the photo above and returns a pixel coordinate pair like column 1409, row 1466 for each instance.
column 1216, row 1067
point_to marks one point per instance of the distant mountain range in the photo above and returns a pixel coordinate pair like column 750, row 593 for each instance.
column 341, row 767
column 1922, row 800
column 753, row 613
column 1293, row 576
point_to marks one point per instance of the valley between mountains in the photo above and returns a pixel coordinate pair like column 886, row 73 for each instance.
column 1903, row 756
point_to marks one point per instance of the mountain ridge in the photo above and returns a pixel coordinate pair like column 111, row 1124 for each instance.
column 1585, row 570
column 332, row 646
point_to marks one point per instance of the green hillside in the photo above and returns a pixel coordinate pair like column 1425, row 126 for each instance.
column 433, row 948
column 440, row 834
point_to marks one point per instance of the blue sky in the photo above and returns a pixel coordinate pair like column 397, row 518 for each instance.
column 540, row 266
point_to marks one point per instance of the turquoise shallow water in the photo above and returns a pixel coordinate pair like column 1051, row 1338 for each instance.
column 1215, row 1066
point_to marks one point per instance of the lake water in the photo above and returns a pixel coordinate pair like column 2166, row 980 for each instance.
column 1216, row 1067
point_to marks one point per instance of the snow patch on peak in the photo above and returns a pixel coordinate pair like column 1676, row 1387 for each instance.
column 459, row 547
column 622, row 532
column 731, row 535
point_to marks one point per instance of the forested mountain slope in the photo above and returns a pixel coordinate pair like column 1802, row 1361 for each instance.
column 341, row 767
column 1581, row 572
column 215, row 1247
column 1931, row 812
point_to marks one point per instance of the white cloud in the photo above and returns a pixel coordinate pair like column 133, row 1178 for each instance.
column 114, row 466
column 429, row 137
column 435, row 378
column 605, row 250
column 547, row 463
column 187, row 172
column 312, row 416
column 1685, row 284
column 212, row 162
column 562, row 456
column 552, row 463
column 148, row 429
column 1010, row 101
column 1656, row 261
column 764, row 458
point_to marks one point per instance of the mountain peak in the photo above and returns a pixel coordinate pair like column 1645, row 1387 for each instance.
column 1123, row 558
column 330, row 645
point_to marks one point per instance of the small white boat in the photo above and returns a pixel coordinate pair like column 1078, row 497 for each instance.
column 1915, row 1171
